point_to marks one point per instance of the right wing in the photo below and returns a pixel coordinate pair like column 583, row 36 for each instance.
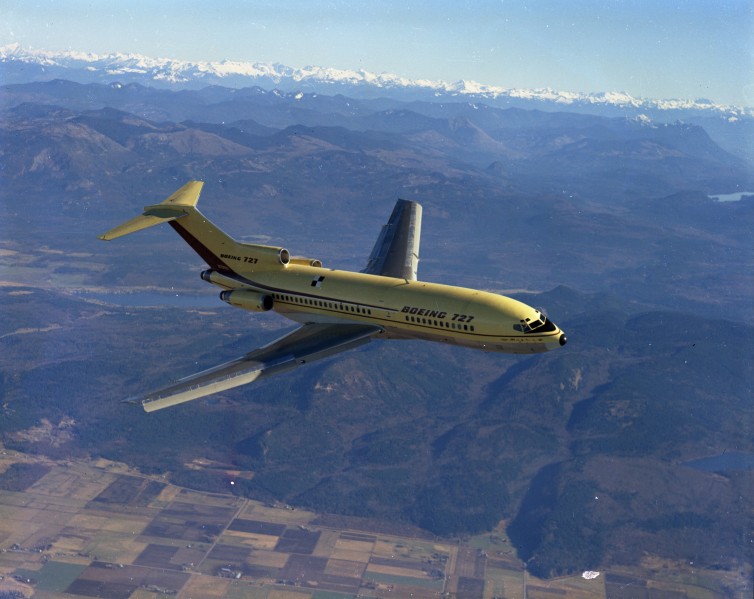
column 396, row 253
column 307, row 343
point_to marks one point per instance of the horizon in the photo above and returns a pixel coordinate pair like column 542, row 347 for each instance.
column 483, row 87
column 689, row 52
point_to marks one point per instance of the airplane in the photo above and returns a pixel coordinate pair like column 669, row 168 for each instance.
column 338, row 310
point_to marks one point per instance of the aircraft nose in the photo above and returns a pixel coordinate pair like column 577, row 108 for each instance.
column 562, row 340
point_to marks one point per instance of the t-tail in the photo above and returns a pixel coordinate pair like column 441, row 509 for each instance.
column 220, row 251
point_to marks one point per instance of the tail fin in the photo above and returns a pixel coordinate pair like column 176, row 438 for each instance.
column 172, row 208
column 220, row 251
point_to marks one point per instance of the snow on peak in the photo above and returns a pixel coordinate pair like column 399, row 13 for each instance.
column 237, row 73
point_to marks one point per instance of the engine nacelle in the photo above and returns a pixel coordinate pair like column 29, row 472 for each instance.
column 252, row 254
column 248, row 299
column 217, row 278
column 300, row 260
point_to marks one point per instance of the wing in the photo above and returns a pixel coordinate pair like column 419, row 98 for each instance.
column 396, row 253
column 306, row 344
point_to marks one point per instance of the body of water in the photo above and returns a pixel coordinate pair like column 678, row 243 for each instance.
column 152, row 299
column 725, row 462
column 731, row 197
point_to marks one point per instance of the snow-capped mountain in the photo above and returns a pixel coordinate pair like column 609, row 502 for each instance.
column 22, row 65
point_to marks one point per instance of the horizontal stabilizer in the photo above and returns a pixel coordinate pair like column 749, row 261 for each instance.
column 173, row 207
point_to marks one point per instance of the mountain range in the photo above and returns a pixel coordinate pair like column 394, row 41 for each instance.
column 20, row 64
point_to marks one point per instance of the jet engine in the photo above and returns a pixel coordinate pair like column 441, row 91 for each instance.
column 248, row 299
column 251, row 254
column 300, row 260
column 212, row 276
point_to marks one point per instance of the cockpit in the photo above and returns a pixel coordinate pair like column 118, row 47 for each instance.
column 539, row 324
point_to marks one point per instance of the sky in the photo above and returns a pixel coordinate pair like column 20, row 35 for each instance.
column 660, row 49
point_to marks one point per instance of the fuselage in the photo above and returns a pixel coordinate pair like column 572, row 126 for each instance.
column 403, row 309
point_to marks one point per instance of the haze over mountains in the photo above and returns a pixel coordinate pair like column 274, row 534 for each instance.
column 24, row 65
column 606, row 221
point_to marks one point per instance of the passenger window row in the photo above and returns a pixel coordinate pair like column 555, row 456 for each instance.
column 305, row 301
column 440, row 323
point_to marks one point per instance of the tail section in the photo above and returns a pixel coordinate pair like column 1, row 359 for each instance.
column 220, row 251
column 174, row 207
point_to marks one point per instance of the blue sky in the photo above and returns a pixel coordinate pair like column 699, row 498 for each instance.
column 648, row 48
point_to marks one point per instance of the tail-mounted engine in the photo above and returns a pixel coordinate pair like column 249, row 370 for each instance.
column 300, row 260
column 248, row 299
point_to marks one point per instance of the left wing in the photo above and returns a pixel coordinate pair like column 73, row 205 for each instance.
column 306, row 344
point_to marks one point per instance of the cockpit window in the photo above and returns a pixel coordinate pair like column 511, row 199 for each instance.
column 541, row 324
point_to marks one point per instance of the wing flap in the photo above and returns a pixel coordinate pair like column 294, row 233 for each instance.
column 306, row 344
column 396, row 253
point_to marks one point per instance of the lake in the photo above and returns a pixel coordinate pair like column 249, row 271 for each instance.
column 150, row 299
column 725, row 462
column 731, row 197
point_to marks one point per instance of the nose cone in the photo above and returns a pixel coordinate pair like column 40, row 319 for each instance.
column 556, row 339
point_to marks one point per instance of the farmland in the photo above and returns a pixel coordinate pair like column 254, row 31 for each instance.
column 96, row 528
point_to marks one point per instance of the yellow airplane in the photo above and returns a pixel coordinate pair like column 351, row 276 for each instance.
column 339, row 310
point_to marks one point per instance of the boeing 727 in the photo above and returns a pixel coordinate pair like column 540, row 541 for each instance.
column 338, row 310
